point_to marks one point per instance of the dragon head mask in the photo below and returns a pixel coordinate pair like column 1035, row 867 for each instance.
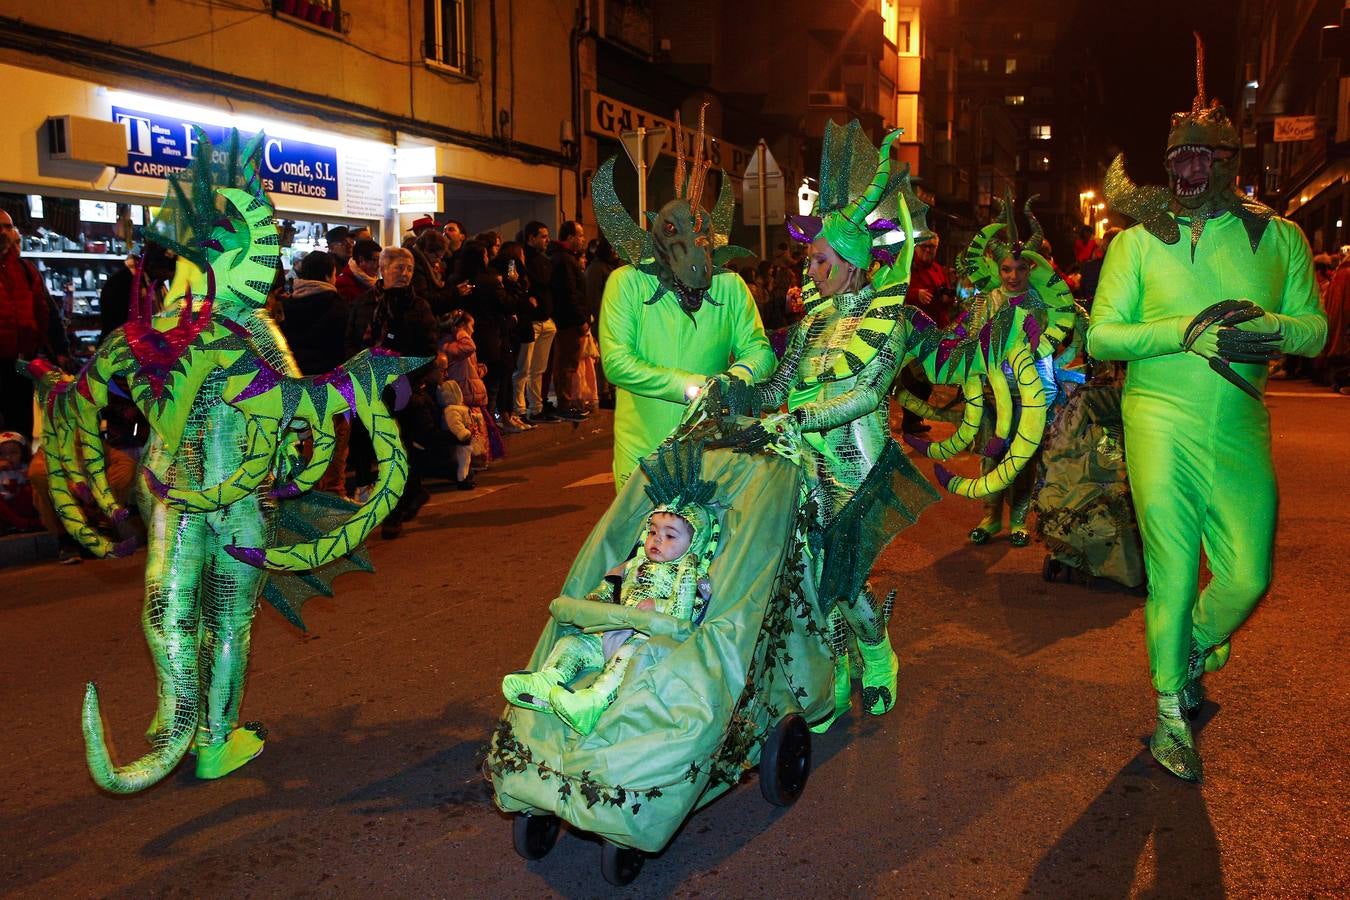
column 685, row 244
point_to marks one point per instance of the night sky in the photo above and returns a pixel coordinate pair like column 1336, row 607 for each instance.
column 1145, row 55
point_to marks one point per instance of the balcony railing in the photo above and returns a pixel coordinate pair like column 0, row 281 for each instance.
column 325, row 14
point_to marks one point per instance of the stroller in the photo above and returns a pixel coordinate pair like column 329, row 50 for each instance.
column 702, row 703
column 1084, row 513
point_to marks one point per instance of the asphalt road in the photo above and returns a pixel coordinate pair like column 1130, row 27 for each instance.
column 1013, row 763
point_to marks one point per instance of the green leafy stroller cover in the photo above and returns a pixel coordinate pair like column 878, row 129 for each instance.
column 698, row 701
column 1084, row 513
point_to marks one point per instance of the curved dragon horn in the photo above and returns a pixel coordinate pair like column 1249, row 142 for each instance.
column 861, row 207
column 623, row 233
column 252, row 271
column 1030, row 428
column 1037, row 238
column 1009, row 210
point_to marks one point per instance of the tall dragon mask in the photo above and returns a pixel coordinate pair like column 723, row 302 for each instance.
column 1203, row 132
column 684, row 244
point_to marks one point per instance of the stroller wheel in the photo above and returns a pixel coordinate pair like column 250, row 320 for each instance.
column 1050, row 569
column 785, row 763
column 534, row 836
column 620, row 865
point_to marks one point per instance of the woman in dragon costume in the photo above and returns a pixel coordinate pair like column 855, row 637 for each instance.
column 1003, row 272
column 222, row 478
column 1197, row 433
column 835, row 377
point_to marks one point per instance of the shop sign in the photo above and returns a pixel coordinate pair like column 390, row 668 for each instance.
column 158, row 146
column 1295, row 128
column 420, row 197
column 611, row 118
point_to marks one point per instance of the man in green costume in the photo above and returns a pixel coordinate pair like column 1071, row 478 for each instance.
column 1184, row 313
column 669, row 320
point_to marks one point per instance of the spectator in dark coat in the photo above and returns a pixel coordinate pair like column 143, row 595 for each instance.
column 315, row 316
column 315, row 327
column 114, row 301
column 571, row 315
column 487, row 302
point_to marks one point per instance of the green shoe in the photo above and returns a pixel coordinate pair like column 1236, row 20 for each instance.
column 880, row 668
column 579, row 709
column 988, row 527
column 219, row 760
column 843, row 694
column 1172, row 744
column 1192, row 694
column 529, row 690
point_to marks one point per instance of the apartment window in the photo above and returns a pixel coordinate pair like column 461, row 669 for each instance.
column 1040, row 162
column 1040, row 131
column 1015, row 99
column 447, row 24
column 1010, row 65
column 890, row 19
column 980, row 64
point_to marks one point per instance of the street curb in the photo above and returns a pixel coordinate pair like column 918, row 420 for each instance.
column 21, row 549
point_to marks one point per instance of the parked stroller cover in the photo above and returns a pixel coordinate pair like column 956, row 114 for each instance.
column 696, row 705
column 1085, row 516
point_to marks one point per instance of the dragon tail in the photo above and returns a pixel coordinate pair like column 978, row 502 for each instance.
column 169, row 747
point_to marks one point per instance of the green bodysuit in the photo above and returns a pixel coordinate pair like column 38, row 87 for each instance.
column 1198, row 448
column 655, row 354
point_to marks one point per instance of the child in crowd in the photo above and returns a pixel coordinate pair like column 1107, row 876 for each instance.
column 17, row 512
column 669, row 575
column 459, row 348
column 455, row 419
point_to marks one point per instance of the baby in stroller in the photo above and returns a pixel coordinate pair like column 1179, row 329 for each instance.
column 668, row 574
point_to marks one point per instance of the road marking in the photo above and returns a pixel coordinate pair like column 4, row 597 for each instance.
column 456, row 496
column 1315, row 395
column 602, row 478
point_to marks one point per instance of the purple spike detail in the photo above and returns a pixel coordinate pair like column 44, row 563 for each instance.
column 120, row 515
column 943, row 476
column 254, row 556
column 286, row 491
column 225, row 222
column 995, row 448
column 82, row 493
column 125, row 547
column 918, row 443
column 211, row 244
column 157, row 487
column 883, row 225
column 883, row 256
column 1033, row 329
column 235, row 328
column 402, row 392
column 341, row 380
column 266, row 379
column 986, row 335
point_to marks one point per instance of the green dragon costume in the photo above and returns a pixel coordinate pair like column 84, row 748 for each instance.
column 1197, row 445
column 1050, row 301
column 677, row 588
column 835, row 378
column 222, row 478
column 669, row 319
